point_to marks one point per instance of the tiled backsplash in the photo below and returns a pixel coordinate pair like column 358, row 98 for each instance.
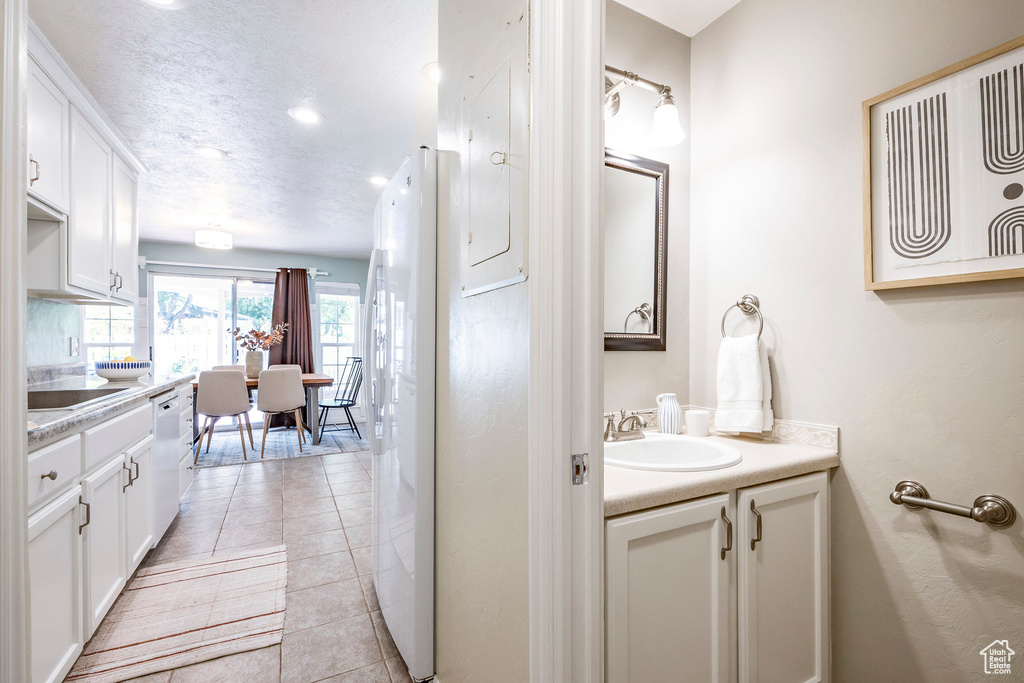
column 51, row 325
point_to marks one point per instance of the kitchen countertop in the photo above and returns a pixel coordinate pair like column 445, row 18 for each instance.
column 627, row 490
column 52, row 425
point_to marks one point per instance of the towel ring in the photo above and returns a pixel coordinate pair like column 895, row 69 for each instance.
column 749, row 304
column 644, row 311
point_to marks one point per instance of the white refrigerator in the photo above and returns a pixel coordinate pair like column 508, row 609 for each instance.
column 398, row 389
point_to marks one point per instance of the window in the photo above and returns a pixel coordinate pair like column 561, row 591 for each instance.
column 108, row 332
column 338, row 309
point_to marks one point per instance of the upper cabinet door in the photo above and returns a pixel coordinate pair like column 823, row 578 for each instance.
column 667, row 602
column 48, row 112
column 89, row 248
column 783, row 580
column 125, row 234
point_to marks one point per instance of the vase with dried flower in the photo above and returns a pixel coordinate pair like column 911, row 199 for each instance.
column 255, row 342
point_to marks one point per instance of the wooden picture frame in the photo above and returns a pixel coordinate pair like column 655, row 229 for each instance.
column 944, row 175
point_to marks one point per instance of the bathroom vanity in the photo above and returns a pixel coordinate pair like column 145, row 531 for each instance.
column 721, row 574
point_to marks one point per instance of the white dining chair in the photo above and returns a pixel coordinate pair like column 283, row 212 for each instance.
column 279, row 392
column 221, row 394
column 241, row 369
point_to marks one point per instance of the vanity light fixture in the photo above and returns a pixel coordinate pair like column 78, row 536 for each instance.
column 665, row 128
column 213, row 239
column 304, row 114
column 210, row 152
column 379, row 180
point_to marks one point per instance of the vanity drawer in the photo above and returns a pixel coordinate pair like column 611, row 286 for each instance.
column 63, row 459
column 105, row 440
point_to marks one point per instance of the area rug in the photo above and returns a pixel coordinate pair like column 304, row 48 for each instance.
column 226, row 448
column 180, row 613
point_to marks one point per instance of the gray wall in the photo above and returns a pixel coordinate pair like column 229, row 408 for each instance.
column 925, row 384
column 340, row 269
column 50, row 326
column 633, row 42
column 482, row 581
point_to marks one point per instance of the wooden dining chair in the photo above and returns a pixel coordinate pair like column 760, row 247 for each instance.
column 221, row 394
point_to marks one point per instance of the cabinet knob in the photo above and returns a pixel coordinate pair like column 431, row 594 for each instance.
column 51, row 475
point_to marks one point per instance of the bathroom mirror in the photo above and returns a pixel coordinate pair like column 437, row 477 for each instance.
column 635, row 256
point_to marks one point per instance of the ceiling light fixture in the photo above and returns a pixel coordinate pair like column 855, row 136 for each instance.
column 213, row 239
column 305, row 114
column 165, row 4
column 433, row 72
column 210, row 152
column 666, row 130
column 379, row 180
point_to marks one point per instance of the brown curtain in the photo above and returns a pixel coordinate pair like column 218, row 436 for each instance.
column 291, row 305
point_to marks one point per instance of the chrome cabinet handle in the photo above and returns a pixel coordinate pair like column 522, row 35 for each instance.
column 130, row 480
column 34, row 178
column 757, row 516
column 119, row 282
column 113, row 281
column 88, row 515
column 51, row 475
column 728, row 534
column 134, row 479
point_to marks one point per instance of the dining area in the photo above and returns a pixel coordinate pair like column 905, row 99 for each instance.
column 288, row 403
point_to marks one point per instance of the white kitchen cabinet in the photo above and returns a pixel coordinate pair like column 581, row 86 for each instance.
column 89, row 221
column 104, row 544
column 55, row 587
column 782, row 579
column 139, row 461
column 700, row 591
column 48, row 126
column 668, row 594
column 125, row 233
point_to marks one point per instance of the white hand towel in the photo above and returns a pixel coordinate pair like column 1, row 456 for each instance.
column 744, row 386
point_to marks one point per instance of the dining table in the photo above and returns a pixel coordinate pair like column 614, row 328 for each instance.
column 312, row 383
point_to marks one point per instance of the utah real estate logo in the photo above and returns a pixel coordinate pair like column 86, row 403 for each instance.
column 997, row 657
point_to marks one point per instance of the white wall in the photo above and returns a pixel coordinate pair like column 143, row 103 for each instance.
column 481, row 565
column 635, row 43
column 925, row 384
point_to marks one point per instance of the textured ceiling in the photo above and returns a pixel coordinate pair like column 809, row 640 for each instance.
column 689, row 17
column 223, row 73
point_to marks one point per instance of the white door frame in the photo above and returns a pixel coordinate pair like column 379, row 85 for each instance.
column 566, row 345
column 14, row 654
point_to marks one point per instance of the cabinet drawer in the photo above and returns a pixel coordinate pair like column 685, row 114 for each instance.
column 104, row 440
column 185, row 396
column 185, row 423
column 185, row 445
column 63, row 458
column 185, row 474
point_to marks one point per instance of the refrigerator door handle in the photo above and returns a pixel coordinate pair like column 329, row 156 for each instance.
column 370, row 349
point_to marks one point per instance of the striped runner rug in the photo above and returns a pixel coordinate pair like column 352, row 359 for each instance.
column 180, row 613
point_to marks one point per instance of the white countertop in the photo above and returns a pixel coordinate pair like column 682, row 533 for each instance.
column 628, row 490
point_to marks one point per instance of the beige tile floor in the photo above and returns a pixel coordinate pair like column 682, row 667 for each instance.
column 319, row 506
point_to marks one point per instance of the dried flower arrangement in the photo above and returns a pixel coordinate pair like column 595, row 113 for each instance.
column 255, row 340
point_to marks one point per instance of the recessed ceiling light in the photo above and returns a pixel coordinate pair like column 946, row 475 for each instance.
column 433, row 72
column 305, row 114
column 210, row 152
column 379, row 180
column 213, row 239
column 165, row 4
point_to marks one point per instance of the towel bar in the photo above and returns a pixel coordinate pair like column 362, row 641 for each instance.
column 749, row 304
column 988, row 509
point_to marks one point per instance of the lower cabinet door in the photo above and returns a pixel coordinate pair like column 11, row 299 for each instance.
column 139, row 461
column 668, row 594
column 104, row 547
column 782, row 565
column 186, row 473
column 55, row 587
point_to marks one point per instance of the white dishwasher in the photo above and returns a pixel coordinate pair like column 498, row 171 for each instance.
column 167, row 433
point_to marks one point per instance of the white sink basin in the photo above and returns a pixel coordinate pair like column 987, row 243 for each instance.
column 671, row 453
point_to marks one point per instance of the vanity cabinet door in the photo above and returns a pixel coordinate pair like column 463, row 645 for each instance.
column 668, row 594
column 55, row 587
column 104, row 546
column 783, row 589
column 139, row 461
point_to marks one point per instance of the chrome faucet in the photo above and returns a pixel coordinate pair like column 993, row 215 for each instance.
column 628, row 428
